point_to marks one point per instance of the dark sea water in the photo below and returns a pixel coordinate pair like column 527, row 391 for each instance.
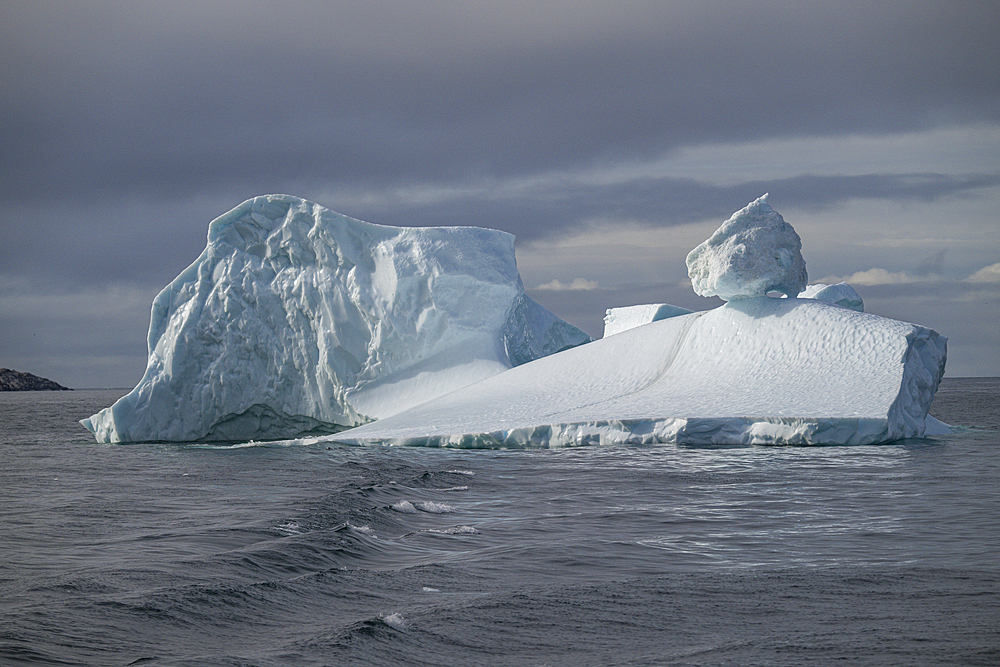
column 662, row 555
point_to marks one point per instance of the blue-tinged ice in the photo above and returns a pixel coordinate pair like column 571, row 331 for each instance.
column 296, row 319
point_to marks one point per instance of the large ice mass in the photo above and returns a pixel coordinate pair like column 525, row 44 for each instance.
column 757, row 370
column 296, row 319
column 754, row 371
column 751, row 254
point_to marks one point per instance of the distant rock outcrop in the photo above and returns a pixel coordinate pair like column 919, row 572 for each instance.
column 11, row 380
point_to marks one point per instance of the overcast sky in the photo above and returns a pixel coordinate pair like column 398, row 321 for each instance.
column 609, row 138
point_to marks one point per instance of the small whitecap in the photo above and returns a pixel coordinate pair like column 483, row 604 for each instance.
column 428, row 589
column 455, row 488
column 404, row 506
column 455, row 530
column 289, row 528
column 394, row 620
column 362, row 529
column 436, row 508
column 462, row 472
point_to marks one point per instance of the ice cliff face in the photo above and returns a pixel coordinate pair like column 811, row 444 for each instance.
column 296, row 319
column 751, row 254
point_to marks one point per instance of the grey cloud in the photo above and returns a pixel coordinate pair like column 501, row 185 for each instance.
column 152, row 241
column 126, row 127
column 111, row 100
column 103, row 242
column 932, row 264
column 665, row 201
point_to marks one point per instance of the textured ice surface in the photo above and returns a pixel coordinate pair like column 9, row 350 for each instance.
column 296, row 319
column 621, row 319
column 758, row 370
column 751, row 254
column 840, row 294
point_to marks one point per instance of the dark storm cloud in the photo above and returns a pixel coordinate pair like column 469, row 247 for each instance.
column 151, row 243
column 106, row 100
column 657, row 202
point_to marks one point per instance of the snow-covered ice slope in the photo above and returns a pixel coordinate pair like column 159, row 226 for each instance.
column 296, row 319
column 758, row 370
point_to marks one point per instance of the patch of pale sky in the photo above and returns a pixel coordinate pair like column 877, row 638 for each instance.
column 950, row 150
column 897, row 235
column 987, row 274
column 577, row 284
column 880, row 276
column 953, row 150
column 612, row 254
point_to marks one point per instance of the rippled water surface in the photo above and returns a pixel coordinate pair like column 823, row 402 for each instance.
column 662, row 555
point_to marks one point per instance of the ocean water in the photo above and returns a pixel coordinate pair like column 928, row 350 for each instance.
column 271, row 554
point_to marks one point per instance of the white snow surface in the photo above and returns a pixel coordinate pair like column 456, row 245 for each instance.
column 624, row 318
column 840, row 294
column 754, row 371
column 751, row 254
column 296, row 319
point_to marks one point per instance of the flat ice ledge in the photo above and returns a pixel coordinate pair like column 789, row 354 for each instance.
column 755, row 371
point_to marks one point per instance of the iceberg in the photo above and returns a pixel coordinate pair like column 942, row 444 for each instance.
column 759, row 370
column 297, row 320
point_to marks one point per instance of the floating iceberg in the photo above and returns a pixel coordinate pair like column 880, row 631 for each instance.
column 296, row 320
column 759, row 370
